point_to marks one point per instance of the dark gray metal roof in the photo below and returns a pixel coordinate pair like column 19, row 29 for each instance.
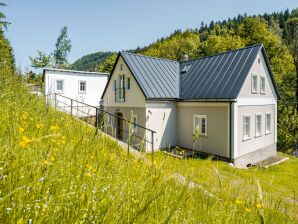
column 217, row 77
column 158, row 78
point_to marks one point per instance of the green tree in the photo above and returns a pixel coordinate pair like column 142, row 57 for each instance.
column 3, row 21
column 108, row 64
column 42, row 60
column 6, row 52
column 63, row 47
column 291, row 40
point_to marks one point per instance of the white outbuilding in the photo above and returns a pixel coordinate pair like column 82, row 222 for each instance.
column 81, row 86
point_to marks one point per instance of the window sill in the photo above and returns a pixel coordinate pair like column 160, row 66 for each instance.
column 201, row 136
column 59, row 92
column 258, row 136
column 246, row 139
column 268, row 133
column 262, row 93
column 254, row 92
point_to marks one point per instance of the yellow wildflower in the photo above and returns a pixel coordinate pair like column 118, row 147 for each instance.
column 258, row 205
column 248, row 210
column 239, row 202
column 89, row 175
column 24, row 142
column 54, row 128
column 39, row 126
column 46, row 162
column 21, row 129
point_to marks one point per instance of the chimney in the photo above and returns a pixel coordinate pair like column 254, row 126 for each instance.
column 185, row 57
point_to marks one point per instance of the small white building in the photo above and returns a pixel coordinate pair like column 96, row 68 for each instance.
column 82, row 86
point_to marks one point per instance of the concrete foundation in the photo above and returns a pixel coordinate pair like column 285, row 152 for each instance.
column 255, row 156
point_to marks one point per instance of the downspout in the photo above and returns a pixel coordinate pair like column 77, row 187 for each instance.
column 230, row 137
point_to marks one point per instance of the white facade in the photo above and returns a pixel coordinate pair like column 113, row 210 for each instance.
column 71, row 80
column 85, row 87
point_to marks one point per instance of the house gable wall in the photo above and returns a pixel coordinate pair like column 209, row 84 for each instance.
column 134, row 97
column 259, row 69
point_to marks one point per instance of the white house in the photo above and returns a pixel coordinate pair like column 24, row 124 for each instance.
column 85, row 87
column 231, row 98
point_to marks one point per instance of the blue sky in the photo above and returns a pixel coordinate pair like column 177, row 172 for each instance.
column 114, row 25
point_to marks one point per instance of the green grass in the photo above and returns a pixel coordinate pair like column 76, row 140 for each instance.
column 53, row 169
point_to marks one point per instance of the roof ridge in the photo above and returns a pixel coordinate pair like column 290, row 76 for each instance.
column 226, row 52
column 146, row 56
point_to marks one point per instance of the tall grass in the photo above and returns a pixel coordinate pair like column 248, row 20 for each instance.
column 53, row 169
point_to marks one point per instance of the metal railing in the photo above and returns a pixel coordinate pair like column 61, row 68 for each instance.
column 119, row 127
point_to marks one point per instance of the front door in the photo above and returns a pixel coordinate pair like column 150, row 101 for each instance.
column 119, row 125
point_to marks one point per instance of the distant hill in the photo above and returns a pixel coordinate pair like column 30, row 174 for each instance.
column 90, row 61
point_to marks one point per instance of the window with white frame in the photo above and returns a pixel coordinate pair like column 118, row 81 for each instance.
column 82, row 86
column 134, row 121
column 254, row 83
column 262, row 84
column 246, row 127
column 200, row 123
column 59, row 85
column 258, row 125
column 268, row 123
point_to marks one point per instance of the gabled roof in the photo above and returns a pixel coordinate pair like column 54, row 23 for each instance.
column 158, row 78
column 217, row 77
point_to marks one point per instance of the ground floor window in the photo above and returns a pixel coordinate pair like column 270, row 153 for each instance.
column 200, row 124
column 59, row 85
column 134, row 121
column 258, row 125
column 246, row 127
column 82, row 86
column 268, row 123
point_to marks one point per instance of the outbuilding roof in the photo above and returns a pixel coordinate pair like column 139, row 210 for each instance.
column 216, row 77
column 75, row 71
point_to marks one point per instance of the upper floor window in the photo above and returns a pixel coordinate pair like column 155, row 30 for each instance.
column 82, row 86
column 128, row 82
column 59, row 85
column 262, row 84
column 200, row 124
column 258, row 125
column 121, row 67
column 120, row 89
column 254, row 83
column 268, row 123
column 246, row 127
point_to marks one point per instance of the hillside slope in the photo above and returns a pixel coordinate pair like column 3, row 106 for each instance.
column 90, row 61
column 53, row 169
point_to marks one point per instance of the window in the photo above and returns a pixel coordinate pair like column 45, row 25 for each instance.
column 246, row 127
column 254, row 83
column 134, row 121
column 120, row 91
column 128, row 82
column 59, row 85
column 268, row 123
column 82, row 86
column 200, row 123
column 121, row 67
column 262, row 84
column 258, row 125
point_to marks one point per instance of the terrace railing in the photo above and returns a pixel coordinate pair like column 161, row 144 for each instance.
column 119, row 127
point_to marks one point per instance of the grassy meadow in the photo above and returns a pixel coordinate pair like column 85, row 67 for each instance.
column 53, row 169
